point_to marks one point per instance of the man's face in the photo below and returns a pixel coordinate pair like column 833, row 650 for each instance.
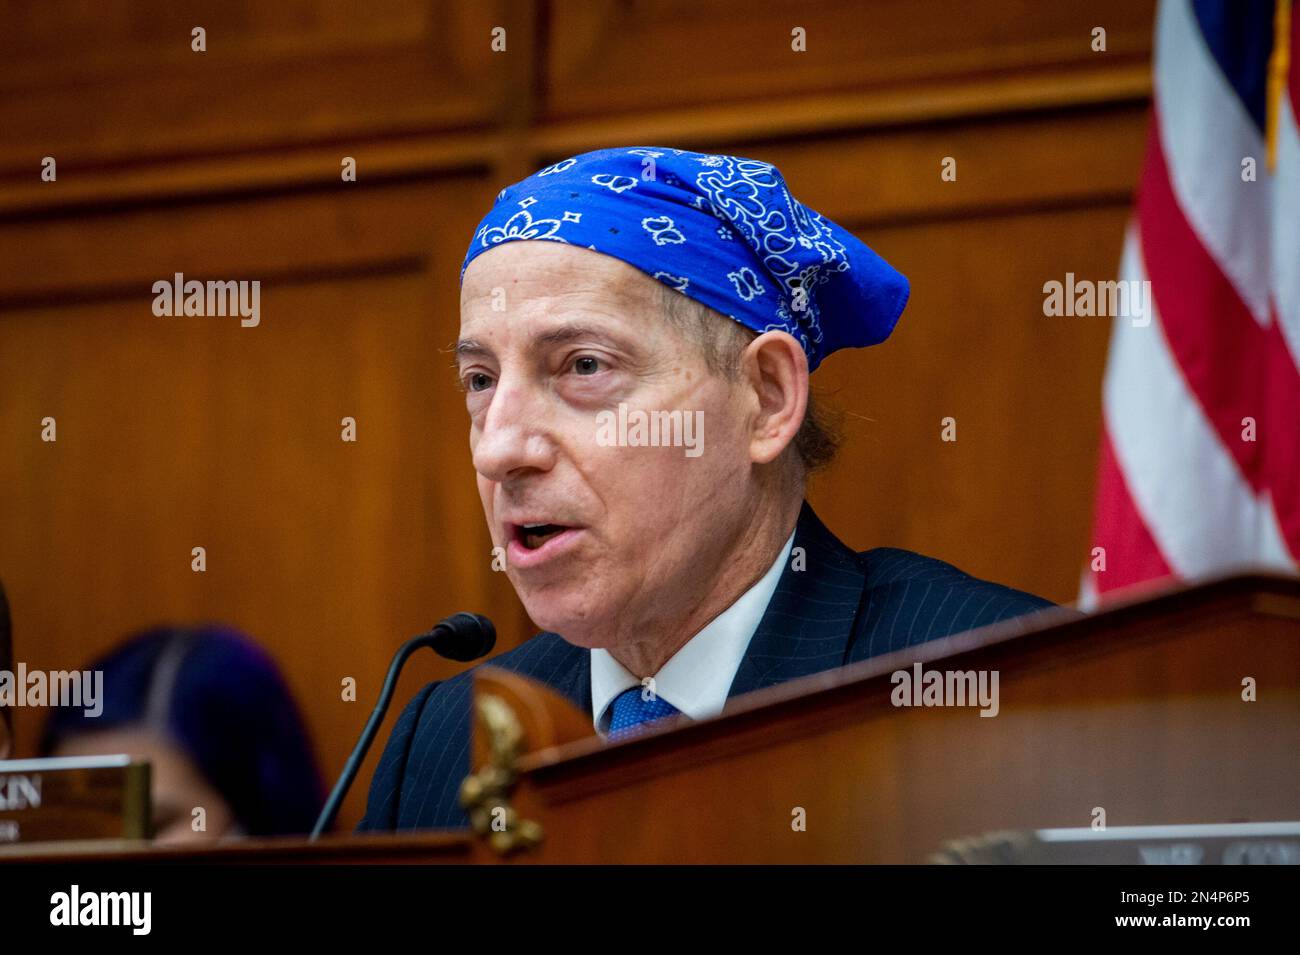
column 602, row 539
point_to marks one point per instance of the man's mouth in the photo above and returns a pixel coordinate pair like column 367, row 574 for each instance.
column 533, row 536
column 534, row 543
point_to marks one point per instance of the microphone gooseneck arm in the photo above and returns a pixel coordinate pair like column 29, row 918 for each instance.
column 463, row 636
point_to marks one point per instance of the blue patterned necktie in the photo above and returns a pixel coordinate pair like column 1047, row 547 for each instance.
column 631, row 712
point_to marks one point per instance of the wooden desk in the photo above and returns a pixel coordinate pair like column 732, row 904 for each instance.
column 1137, row 711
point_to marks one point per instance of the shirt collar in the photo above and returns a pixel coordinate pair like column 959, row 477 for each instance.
column 697, row 677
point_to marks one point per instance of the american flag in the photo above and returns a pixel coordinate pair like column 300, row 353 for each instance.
column 1200, row 450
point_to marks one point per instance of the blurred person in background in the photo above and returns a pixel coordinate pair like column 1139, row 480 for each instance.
column 208, row 709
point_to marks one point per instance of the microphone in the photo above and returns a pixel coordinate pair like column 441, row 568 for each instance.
column 462, row 637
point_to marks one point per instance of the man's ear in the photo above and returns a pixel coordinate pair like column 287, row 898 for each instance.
column 776, row 368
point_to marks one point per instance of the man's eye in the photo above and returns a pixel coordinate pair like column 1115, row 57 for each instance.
column 586, row 365
column 478, row 381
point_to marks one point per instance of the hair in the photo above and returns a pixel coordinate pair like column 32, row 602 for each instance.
column 221, row 699
column 721, row 340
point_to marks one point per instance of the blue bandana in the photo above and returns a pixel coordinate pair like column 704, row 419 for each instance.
column 723, row 230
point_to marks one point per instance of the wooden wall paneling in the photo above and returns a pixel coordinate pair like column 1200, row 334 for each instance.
column 119, row 84
column 628, row 56
column 1036, row 196
column 182, row 431
column 1011, row 498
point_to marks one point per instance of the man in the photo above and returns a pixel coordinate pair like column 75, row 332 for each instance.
column 637, row 331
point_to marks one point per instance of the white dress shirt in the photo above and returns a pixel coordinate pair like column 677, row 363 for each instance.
column 697, row 677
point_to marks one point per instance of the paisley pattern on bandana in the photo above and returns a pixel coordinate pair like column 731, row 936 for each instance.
column 723, row 230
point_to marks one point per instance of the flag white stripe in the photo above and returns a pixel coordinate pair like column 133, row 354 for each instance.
column 1206, row 133
column 1183, row 482
column 1286, row 227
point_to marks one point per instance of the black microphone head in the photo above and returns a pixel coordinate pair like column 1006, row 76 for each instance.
column 464, row 637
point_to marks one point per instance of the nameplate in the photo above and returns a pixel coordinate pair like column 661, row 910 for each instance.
column 1248, row 843
column 73, row 798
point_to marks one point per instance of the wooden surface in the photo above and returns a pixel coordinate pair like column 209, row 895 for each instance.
column 175, row 433
column 419, row 849
column 1137, row 710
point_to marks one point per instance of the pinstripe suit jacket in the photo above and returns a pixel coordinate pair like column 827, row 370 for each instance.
column 840, row 608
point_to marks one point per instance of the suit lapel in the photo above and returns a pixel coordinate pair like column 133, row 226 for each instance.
column 563, row 667
column 575, row 682
column 808, row 625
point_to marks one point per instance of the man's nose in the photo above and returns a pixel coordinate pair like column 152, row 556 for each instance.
column 513, row 436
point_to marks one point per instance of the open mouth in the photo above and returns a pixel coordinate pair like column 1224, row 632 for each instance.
column 533, row 536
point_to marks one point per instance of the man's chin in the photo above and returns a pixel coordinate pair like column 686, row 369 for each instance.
column 572, row 616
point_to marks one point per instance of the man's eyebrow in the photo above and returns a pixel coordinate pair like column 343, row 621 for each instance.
column 472, row 348
column 571, row 333
column 469, row 347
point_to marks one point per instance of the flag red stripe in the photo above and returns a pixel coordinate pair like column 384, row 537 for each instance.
column 1280, row 444
column 1132, row 554
column 1230, row 363
column 1293, row 67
